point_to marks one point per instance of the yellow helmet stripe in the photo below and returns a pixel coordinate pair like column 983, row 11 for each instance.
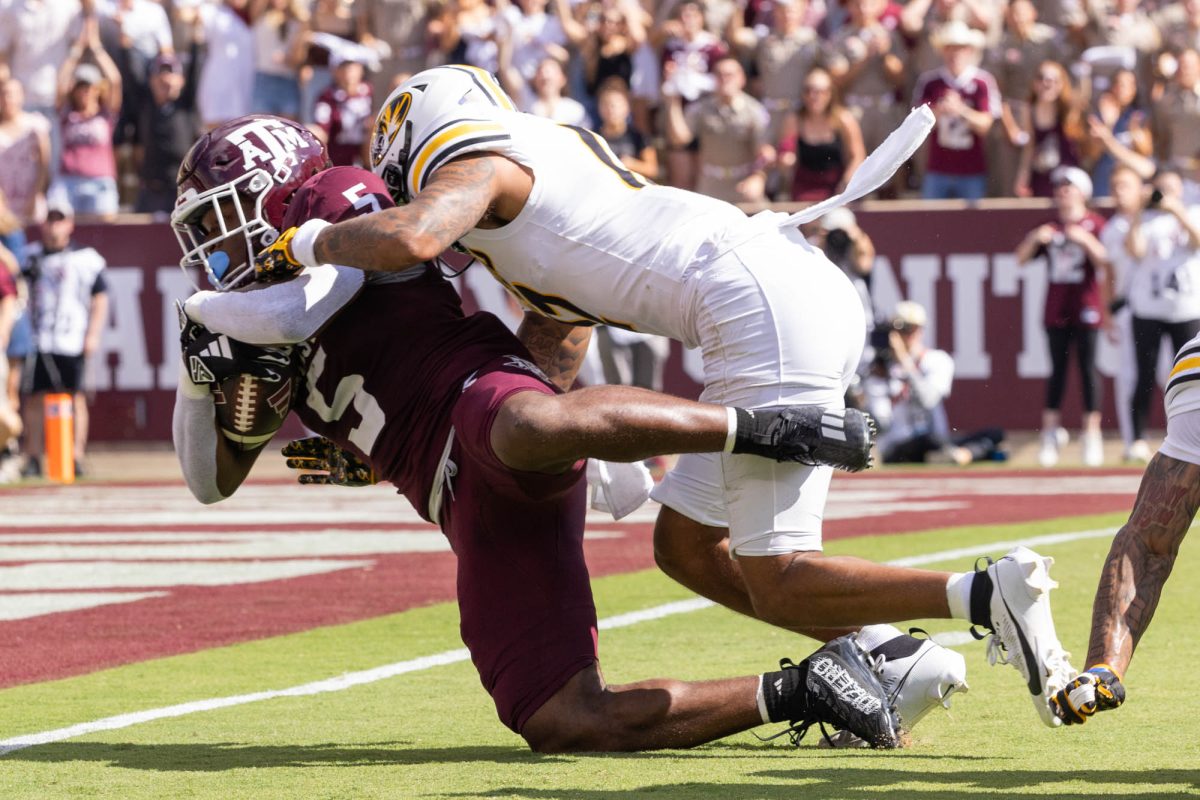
column 464, row 129
column 489, row 85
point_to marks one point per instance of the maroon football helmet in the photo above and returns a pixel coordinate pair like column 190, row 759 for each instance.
column 237, row 181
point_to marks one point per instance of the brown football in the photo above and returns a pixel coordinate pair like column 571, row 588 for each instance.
column 250, row 410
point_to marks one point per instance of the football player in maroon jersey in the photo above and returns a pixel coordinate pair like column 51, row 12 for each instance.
column 450, row 409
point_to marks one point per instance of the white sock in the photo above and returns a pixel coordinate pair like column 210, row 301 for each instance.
column 731, row 437
column 958, row 595
column 762, row 700
column 872, row 636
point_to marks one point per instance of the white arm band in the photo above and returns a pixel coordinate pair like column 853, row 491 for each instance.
column 278, row 313
column 194, row 429
column 304, row 242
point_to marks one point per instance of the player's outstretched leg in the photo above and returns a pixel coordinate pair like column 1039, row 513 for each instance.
column 918, row 675
column 1016, row 591
column 837, row 437
column 835, row 686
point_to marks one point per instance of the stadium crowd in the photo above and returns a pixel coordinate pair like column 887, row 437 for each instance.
column 752, row 101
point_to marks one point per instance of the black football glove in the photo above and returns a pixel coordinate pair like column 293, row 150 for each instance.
column 212, row 358
column 326, row 463
column 1098, row 689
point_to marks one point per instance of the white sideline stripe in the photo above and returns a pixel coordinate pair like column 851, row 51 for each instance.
column 352, row 679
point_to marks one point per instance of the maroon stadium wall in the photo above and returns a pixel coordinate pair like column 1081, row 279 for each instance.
column 984, row 309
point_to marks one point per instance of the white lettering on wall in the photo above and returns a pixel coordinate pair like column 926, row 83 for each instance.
column 967, row 273
column 921, row 274
column 172, row 285
column 125, row 334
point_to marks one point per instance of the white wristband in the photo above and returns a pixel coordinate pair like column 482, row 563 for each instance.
column 305, row 241
column 731, row 437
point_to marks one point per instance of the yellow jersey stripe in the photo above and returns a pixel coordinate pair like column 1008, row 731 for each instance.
column 461, row 130
column 1184, row 364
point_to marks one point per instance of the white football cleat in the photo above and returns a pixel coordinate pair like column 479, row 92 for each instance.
column 1093, row 449
column 917, row 674
column 1024, row 628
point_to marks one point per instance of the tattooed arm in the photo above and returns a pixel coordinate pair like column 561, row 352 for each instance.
column 557, row 347
column 1141, row 559
column 462, row 194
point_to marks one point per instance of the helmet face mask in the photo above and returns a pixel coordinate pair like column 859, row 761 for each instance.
column 234, row 187
column 211, row 225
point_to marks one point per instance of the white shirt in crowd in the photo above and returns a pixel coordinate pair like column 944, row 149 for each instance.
column 35, row 38
column 61, row 297
column 1165, row 285
column 226, row 87
column 916, row 401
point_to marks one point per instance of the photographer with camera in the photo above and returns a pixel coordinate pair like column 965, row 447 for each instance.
column 1079, row 285
column 906, row 387
column 1164, row 285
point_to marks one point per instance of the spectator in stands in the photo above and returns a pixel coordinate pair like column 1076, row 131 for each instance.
column 966, row 102
column 169, row 124
column 730, row 129
column 782, row 60
column 820, row 145
column 1077, row 296
column 1176, row 122
column 1128, row 191
column 334, row 23
column 1122, row 23
column 866, row 61
column 1164, row 288
column 689, row 54
column 345, row 111
column 906, row 391
column 226, row 89
column 1054, row 127
column 280, row 46
column 536, row 35
column 625, row 140
column 144, row 28
column 10, row 310
column 1119, row 125
column 612, row 51
column 69, row 308
column 401, row 24
column 545, row 95
column 1025, row 44
column 89, row 104
column 465, row 33
column 921, row 20
column 18, row 342
column 24, row 154
column 35, row 38
column 1179, row 24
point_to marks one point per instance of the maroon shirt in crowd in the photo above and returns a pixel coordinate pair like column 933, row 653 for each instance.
column 954, row 149
column 1073, row 286
column 344, row 116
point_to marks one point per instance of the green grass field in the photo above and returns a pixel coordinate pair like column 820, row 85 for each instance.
column 433, row 733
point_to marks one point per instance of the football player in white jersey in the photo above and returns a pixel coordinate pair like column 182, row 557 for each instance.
column 580, row 240
column 1144, row 550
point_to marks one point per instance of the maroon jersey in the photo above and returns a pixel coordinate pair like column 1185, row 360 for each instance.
column 954, row 149
column 1073, row 286
column 344, row 117
column 385, row 373
column 388, row 378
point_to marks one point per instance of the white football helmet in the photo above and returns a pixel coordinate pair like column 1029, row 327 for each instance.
column 402, row 127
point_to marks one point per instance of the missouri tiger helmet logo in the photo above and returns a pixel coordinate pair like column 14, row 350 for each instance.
column 387, row 126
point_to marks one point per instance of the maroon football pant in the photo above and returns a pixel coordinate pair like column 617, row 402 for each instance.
column 524, row 594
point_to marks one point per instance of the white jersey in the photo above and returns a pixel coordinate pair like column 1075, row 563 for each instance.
column 1166, row 284
column 595, row 242
column 1113, row 236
